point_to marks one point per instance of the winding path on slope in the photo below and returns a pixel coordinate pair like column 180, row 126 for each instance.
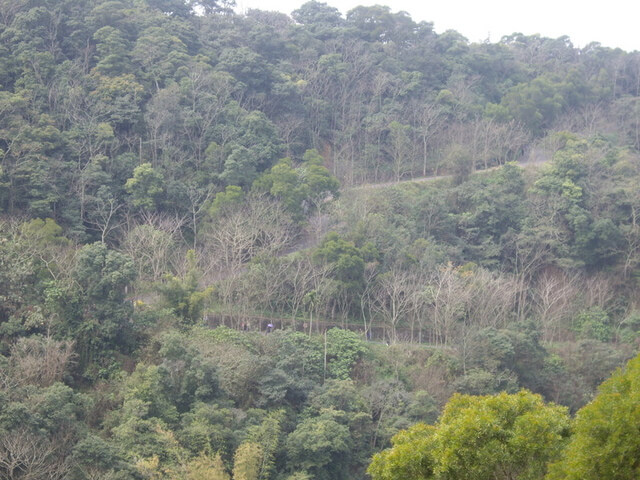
column 366, row 186
column 320, row 224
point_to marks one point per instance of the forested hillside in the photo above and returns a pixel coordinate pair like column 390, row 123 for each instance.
column 215, row 263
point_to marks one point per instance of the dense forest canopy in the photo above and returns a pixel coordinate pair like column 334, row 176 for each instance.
column 269, row 247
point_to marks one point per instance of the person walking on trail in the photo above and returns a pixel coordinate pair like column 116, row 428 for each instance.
column 270, row 328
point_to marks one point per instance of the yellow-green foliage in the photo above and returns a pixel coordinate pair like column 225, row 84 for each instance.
column 247, row 462
column 410, row 456
column 497, row 437
column 206, row 467
column 606, row 439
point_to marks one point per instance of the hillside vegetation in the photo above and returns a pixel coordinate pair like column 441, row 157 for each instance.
column 215, row 263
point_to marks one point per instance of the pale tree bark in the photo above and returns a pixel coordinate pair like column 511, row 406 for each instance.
column 429, row 119
column 25, row 456
column 39, row 361
column 257, row 227
column 394, row 298
column 105, row 219
column 448, row 298
column 153, row 243
column 554, row 297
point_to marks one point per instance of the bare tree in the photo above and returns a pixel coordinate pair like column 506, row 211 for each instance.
column 257, row 227
column 509, row 139
column 304, row 276
column 394, row 298
column 39, row 361
column 152, row 242
column 626, row 111
column 587, row 120
column 527, row 258
column 290, row 128
column 399, row 149
column 598, row 290
column 25, row 456
column 448, row 298
column 367, row 295
column 103, row 218
column 198, row 200
column 490, row 141
column 429, row 119
column 492, row 300
column 554, row 298
column 629, row 249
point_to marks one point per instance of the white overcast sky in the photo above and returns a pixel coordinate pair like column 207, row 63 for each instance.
column 613, row 23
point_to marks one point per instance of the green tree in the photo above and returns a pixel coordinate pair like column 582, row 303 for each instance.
column 145, row 187
column 247, row 462
column 561, row 216
column 159, row 54
column 247, row 67
column 93, row 457
column 344, row 349
column 284, row 182
column 113, row 52
column 226, row 200
column 593, row 323
column 321, row 19
column 255, row 149
column 94, row 310
column 605, row 441
column 345, row 256
column 116, row 98
column 537, row 103
column 299, row 189
column 459, row 160
column 38, row 430
column 205, row 467
column 409, row 457
column 321, row 446
column 268, row 436
column 183, row 295
column 499, row 437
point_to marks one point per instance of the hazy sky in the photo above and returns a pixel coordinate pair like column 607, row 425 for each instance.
column 613, row 23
